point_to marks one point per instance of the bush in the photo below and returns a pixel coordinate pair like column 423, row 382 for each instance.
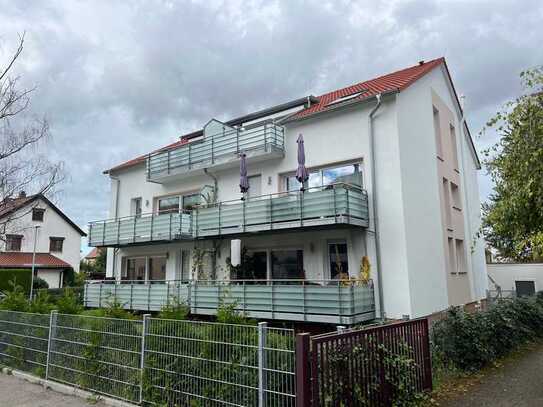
column 22, row 277
column 471, row 341
column 40, row 284
column 174, row 309
column 69, row 303
column 16, row 298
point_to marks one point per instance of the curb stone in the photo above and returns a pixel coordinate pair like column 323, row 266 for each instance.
column 65, row 389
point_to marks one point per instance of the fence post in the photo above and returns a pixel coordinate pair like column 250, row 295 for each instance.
column 144, row 330
column 427, row 361
column 52, row 324
column 303, row 376
column 341, row 329
column 262, row 326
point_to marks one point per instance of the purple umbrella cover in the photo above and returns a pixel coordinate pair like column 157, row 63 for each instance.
column 243, row 180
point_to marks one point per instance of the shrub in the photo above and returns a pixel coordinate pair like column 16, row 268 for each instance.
column 69, row 303
column 471, row 341
column 174, row 309
column 41, row 303
column 21, row 277
column 40, row 284
column 15, row 299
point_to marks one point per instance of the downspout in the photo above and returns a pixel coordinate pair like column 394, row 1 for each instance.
column 374, row 204
column 116, row 209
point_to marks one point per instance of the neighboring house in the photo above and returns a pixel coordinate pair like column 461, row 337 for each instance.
column 93, row 255
column 515, row 278
column 58, row 239
column 398, row 141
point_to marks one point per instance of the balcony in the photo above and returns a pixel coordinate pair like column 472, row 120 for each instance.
column 325, row 301
column 333, row 205
column 220, row 150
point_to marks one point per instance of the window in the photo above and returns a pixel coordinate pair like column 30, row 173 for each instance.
column 135, row 269
column 287, row 264
column 255, row 186
column 168, row 204
column 339, row 265
column 437, row 134
column 55, row 244
column 453, row 147
column 189, row 201
column 447, row 204
column 185, row 265
column 157, row 268
column 136, row 207
column 347, row 173
column 37, row 214
column 13, row 243
column 455, row 193
column 525, row 288
column 460, row 257
column 451, row 255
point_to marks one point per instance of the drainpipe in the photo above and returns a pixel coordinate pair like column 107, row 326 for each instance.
column 374, row 204
column 116, row 209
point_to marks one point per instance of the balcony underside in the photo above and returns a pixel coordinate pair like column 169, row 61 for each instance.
column 333, row 304
column 221, row 162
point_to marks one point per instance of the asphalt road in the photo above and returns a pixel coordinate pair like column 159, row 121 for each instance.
column 517, row 383
column 16, row 392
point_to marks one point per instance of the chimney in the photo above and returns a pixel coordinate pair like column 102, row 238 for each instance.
column 421, row 62
column 22, row 194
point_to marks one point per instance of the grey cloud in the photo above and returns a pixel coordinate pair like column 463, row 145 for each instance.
column 118, row 79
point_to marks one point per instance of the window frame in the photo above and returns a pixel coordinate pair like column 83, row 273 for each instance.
column 285, row 178
column 329, row 244
column 18, row 238
column 56, row 239
column 36, row 211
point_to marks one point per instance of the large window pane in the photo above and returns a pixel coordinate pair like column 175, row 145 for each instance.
column 135, row 269
column 170, row 204
column 287, row 264
column 339, row 266
column 346, row 173
column 157, row 268
column 189, row 201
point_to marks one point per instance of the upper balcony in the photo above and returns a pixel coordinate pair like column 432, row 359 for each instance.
column 218, row 148
column 333, row 205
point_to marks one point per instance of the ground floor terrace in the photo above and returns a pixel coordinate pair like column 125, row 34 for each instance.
column 309, row 276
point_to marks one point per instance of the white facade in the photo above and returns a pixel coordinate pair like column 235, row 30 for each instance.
column 414, row 274
column 53, row 225
column 508, row 275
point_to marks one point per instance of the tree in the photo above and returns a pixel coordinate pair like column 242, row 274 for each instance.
column 513, row 217
column 22, row 166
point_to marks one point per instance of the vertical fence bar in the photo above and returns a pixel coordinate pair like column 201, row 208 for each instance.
column 303, row 373
column 144, row 331
column 427, row 358
column 52, row 325
column 262, row 326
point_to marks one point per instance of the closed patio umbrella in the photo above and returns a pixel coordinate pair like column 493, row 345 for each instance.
column 243, row 180
column 301, row 173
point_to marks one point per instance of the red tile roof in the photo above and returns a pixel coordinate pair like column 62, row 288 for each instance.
column 24, row 260
column 398, row 80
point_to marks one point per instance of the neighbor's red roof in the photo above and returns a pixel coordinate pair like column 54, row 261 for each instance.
column 24, row 260
column 398, row 80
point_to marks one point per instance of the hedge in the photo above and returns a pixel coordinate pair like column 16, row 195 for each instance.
column 23, row 277
column 470, row 341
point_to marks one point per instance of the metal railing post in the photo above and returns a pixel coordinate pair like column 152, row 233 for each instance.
column 171, row 224
column 152, row 224
column 134, row 231
column 262, row 327
column 265, row 140
column 144, row 331
column 303, row 372
column 103, row 232
column 52, row 325
column 118, row 231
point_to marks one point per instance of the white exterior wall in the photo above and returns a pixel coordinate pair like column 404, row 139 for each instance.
column 53, row 278
column 53, row 225
column 505, row 274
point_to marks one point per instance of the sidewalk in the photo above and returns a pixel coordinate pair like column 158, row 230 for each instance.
column 519, row 383
column 17, row 392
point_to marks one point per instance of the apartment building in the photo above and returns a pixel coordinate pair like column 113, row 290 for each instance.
column 392, row 183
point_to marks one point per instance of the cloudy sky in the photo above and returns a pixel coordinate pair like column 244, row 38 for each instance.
column 117, row 79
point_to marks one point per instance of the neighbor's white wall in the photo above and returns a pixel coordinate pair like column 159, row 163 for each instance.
column 52, row 225
column 505, row 274
column 52, row 277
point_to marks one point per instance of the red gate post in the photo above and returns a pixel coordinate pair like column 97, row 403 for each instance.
column 427, row 356
column 303, row 373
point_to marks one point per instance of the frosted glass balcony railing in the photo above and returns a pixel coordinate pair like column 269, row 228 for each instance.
column 315, row 207
column 138, row 229
column 327, row 301
column 218, row 149
column 333, row 204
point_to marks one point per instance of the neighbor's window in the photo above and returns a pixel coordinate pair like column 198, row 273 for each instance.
column 13, row 243
column 37, row 214
column 55, row 244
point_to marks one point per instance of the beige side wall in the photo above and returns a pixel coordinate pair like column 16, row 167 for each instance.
column 454, row 239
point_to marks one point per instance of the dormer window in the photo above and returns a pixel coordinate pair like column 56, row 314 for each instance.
column 37, row 214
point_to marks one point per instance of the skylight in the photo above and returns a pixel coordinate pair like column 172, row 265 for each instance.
column 346, row 98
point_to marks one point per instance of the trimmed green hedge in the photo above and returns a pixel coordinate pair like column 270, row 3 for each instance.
column 470, row 341
column 23, row 277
